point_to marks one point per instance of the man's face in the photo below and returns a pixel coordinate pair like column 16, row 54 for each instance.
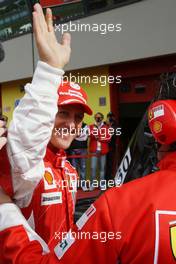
column 67, row 122
column 98, row 118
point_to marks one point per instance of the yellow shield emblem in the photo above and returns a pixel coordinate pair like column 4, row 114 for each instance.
column 173, row 240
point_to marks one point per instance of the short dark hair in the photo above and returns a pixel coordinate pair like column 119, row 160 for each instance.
column 99, row 113
column 110, row 114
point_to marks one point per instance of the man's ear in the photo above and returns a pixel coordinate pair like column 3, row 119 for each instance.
column 80, row 125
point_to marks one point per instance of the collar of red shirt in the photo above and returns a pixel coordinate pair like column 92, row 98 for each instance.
column 56, row 156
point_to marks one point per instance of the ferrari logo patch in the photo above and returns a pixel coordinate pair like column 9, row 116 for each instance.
column 165, row 237
column 150, row 115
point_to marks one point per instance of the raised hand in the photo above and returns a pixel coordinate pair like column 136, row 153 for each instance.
column 50, row 51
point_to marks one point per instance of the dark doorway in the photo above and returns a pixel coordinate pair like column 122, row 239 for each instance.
column 130, row 117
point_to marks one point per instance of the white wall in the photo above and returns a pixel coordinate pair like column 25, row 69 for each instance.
column 148, row 29
column 18, row 59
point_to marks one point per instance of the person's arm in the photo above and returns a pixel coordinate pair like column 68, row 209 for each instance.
column 18, row 242
column 93, row 241
column 33, row 119
column 30, row 130
column 16, row 236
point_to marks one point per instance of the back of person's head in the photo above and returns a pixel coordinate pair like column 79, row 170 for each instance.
column 162, row 121
column 110, row 114
column 162, row 112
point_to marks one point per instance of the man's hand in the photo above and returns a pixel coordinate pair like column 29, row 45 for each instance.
column 3, row 140
column 50, row 51
column 4, row 198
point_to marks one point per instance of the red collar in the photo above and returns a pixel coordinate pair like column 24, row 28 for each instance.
column 55, row 156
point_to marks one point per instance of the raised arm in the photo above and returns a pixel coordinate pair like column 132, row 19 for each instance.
column 33, row 119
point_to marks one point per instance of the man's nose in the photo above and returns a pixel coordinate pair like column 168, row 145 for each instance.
column 71, row 122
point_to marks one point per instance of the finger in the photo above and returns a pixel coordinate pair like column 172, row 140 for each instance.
column 36, row 25
column 66, row 40
column 2, row 131
column 41, row 18
column 2, row 123
column 3, row 141
column 49, row 20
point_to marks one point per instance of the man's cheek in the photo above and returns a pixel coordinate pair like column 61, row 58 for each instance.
column 79, row 125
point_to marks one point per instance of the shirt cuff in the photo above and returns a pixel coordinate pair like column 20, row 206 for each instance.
column 47, row 78
column 10, row 216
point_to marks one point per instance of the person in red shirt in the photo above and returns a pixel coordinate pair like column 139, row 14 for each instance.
column 99, row 147
column 140, row 229
column 53, row 195
column 44, row 182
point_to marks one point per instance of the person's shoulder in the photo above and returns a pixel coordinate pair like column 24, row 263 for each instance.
column 149, row 184
column 105, row 125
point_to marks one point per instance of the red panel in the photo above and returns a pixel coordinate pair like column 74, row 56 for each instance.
column 48, row 3
column 149, row 66
column 143, row 72
column 151, row 85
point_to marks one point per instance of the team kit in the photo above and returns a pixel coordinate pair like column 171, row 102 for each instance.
column 131, row 223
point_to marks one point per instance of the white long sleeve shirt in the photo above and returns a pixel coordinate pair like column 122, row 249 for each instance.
column 30, row 131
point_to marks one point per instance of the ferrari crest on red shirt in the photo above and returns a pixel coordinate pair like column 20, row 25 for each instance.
column 165, row 237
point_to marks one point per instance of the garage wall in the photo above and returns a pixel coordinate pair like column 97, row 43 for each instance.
column 148, row 29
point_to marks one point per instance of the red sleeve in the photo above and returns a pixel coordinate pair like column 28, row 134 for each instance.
column 16, row 248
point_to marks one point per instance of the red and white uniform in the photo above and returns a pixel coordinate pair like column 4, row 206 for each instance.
column 99, row 138
column 37, row 175
column 53, row 199
column 134, row 224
